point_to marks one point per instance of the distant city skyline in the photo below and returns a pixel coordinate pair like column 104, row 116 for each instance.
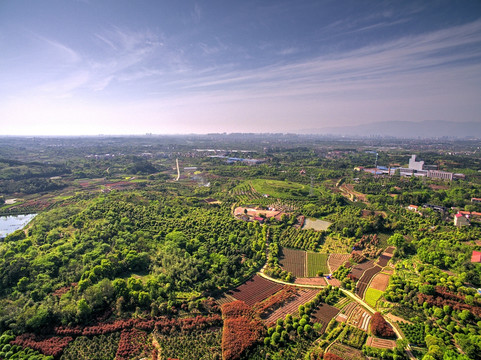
column 83, row 67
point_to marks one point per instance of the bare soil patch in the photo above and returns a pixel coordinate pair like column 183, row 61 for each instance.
column 316, row 224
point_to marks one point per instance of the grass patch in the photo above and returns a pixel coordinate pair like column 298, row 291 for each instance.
column 316, row 262
column 372, row 296
column 281, row 189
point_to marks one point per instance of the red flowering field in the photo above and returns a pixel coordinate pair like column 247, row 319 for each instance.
column 240, row 331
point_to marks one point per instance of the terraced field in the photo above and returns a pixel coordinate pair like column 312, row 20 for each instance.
column 294, row 261
column 359, row 269
column 316, row 262
column 255, row 290
column 303, row 296
column 365, row 279
column 384, row 259
column 336, row 260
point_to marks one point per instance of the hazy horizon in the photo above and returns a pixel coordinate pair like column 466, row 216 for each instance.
column 131, row 68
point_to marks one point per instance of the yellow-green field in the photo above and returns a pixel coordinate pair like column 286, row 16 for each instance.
column 372, row 296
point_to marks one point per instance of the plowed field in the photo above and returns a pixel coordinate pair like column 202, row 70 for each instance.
column 336, row 260
column 255, row 290
column 384, row 259
column 324, row 314
column 389, row 250
column 359, row 269
column 380, row 282
column 294, row 261
column 292, row 306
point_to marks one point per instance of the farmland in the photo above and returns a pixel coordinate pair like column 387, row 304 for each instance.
column 205, row 345
column 356, row 316
column 365, row 279
column 380, row 343
column 380, row 282
column 336, row 260
column 372, row 296
column 129, row 263
column 294, row 261
column 359, row 269
column 324, row 314
column 291, row 307
column 255, row 290
column 316, row 262
column 346, row 352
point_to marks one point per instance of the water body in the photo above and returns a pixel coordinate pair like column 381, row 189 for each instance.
column 8, row 224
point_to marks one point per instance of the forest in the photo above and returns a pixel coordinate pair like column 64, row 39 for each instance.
column 126, row 261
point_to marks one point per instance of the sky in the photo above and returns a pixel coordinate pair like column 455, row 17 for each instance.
column 175, row 67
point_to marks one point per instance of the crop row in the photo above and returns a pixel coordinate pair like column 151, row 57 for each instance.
column 255, row 290
column 316, row 262
column 294, row 261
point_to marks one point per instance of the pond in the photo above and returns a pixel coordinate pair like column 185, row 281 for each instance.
column 8, row 224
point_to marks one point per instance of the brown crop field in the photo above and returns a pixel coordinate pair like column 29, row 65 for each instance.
column 380, row 282
column 324, row 314
column 389, row 250
column 317, row 281
column 255, row 290
column 336, row 260
column 359, row 269
column 384, row 259
column 294, row 261
column 365, row 279
column 303, row 296
column 380, row 343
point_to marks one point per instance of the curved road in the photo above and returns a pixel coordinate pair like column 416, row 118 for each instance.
column 347, row 293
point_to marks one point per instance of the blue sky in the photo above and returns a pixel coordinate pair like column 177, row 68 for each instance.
column 132, row 67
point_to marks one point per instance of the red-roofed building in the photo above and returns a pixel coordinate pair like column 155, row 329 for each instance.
column 476, row 257
column 460, row 220
column 475, row 199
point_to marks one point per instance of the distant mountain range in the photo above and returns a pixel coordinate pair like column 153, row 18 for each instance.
column 405, row 129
